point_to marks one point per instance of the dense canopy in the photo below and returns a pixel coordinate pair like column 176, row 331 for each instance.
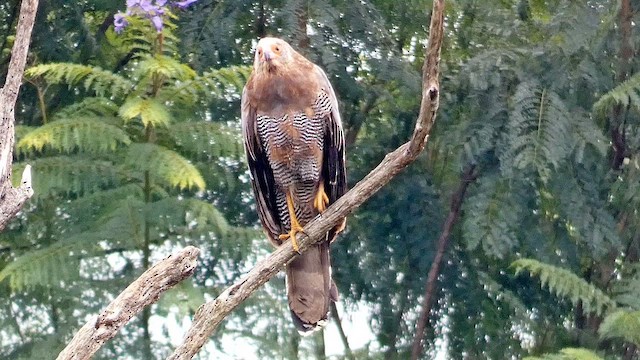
column 530, row 182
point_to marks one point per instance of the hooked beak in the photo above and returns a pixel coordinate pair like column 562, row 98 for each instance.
column 267, row 55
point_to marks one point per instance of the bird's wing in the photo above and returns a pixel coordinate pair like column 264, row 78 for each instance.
column 333, row 164
column 262, row 181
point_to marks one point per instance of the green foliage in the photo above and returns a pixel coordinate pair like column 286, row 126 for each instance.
column 538, row 131
column 206, row 140
column 151, row 112
column 625, row 95
column 493, row 215
column 75, row 134
column 621, row 324
column 565, row 283
column 101, row 82
column 164, row 164
column 50, row 266
column 521, row 99
column 70, row 175
column 117, row 168
column 568, row 354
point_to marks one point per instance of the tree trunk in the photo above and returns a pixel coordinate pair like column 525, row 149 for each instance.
column 443, row 243
column 12, row 199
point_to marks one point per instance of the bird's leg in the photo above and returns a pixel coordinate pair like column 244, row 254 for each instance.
column 295, row 226
column 321, row 200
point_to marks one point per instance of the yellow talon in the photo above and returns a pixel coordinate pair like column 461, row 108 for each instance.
column 295, row 225
column 321, row 200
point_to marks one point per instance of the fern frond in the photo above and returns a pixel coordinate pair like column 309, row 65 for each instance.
column 585, row 210
column 45, row 267
column 84, row 211
column 625, row 94
column 621, row 324
column 91, row 106
column 196, row 214
column 539, row 132
column 568, row 354
column 489, row 218
column 163, row 67
column 626, row 290
column 587, row 134
column 566, row 284
column 206, row 140
column 151, row 112
column 86, row 134
column 70, row 175
column 227, row 81
column 203, row 213
column 231, row 78
column 164, row 164
column 104, row 83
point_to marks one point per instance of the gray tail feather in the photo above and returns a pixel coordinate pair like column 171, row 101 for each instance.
column 310, row 289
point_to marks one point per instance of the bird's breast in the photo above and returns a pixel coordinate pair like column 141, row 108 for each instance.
column 294, row 141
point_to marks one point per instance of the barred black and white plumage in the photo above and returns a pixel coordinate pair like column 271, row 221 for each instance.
column 295, row 150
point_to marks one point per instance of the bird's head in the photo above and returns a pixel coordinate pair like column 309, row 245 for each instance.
column 272, row 54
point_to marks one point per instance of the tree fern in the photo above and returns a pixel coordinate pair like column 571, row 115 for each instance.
column 584, row 207
column 102, row 82
column 164, row 66
column 621, row 324
column 67, row 175
column 88, row 107
column 206, row 140
column 74, row 134
column 539, row 136
column 566, row 284
column 625, row 95
column 150, row 111
column 490, row 217
column 165, row 165
column 47, row 266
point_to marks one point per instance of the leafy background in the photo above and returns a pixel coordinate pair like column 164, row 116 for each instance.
column 136, row 152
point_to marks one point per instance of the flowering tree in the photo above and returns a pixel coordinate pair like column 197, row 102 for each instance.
column 122, row 176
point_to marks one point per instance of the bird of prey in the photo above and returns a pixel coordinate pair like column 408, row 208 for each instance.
column 294, row 143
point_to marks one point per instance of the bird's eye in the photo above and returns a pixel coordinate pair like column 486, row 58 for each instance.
column 277, row 49
column 259, row 51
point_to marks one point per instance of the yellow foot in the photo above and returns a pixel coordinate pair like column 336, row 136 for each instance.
column 321, row 200
column 296, row 228
column 295, row 225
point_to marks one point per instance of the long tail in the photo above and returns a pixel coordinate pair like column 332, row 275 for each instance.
column 310, row 288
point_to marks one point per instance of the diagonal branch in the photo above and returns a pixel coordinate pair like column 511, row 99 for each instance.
column 143, row 292
column 467, row 178
column 211, row 314
column 12, row 199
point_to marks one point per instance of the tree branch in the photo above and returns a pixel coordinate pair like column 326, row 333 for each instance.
column 145, row 291
column 348, row 354
column 12, row 199
column 209, row 315
column 443, row 243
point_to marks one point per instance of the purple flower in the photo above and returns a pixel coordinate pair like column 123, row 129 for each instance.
column 119, row 22
column 157, row 22
column 184, row 4
column 150, row 9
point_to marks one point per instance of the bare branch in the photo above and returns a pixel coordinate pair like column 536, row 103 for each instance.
column 348, row 354
column 209, row 316
column 143, row 292
column 12, row 199
column 443, row 243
